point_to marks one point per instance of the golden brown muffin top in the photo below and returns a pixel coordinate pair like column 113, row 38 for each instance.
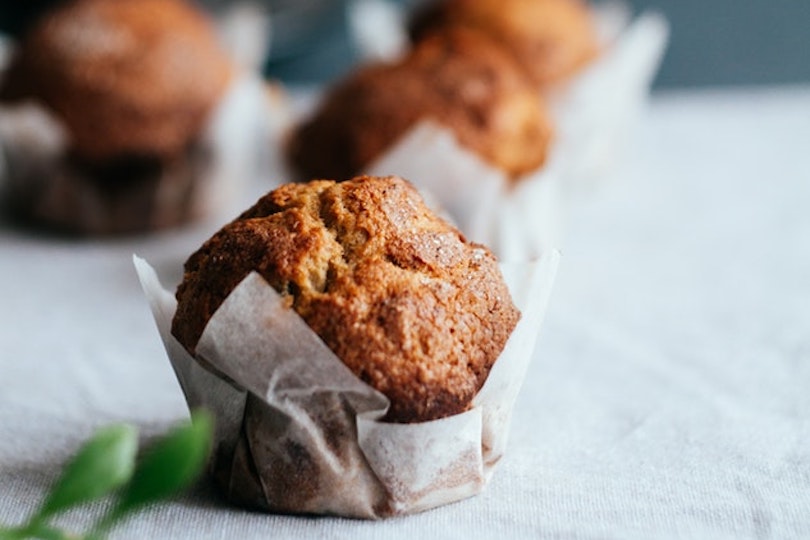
column 127, row 77
column 551, row 39
column 457, row 79
column 400, row 296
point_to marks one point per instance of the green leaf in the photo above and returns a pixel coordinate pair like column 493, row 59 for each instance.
column 173, row 463
column 43, row 532
column 104, row 463
column 11, row 534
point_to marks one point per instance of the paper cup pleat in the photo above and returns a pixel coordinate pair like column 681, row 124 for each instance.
column 298, row 432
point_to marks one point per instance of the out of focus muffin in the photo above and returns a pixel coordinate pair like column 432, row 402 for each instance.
column 550, row 39
column 457, row 79
column 398, row 295
column 131, row 84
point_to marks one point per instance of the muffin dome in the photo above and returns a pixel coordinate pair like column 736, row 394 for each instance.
column 400, row 296
column 551, row 39
column 126, row 77
column 457, row 79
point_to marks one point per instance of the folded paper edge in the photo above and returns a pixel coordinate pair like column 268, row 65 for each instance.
column 542, row 273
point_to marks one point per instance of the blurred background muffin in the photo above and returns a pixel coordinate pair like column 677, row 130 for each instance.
column 550, row 39
column 721, row 42
column 127, row 78
column 131, row 85
column 457, row 79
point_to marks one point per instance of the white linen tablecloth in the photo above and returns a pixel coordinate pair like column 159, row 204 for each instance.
column 669, row 396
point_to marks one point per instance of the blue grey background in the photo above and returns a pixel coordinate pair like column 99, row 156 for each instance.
column 729, row 42
column 714, row 42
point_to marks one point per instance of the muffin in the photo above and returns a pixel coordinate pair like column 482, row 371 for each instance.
column 400, row 297
column 132, row 84
column 550, row 39
column 457, row 79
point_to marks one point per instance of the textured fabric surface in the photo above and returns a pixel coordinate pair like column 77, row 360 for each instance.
column 669, row 393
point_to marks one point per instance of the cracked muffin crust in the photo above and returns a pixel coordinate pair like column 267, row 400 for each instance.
column 457, row 79
column 400, row 296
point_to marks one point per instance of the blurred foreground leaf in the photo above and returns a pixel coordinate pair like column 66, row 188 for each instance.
column 107, row 463
column 102, row 465
column 173, row 463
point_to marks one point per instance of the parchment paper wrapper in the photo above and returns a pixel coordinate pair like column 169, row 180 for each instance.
column 594, row 115
column 596, row 111
column 517, row 220
column 43, row 184
column 297, row 432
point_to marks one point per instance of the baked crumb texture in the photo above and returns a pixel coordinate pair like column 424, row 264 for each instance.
column 455, row 78
column 550, row 39
column 400, row 296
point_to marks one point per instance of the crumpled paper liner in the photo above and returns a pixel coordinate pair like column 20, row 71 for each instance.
column 42, row 184
column 517, row 219
column 594, row 113
column 597, row 111
column 297, row 432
